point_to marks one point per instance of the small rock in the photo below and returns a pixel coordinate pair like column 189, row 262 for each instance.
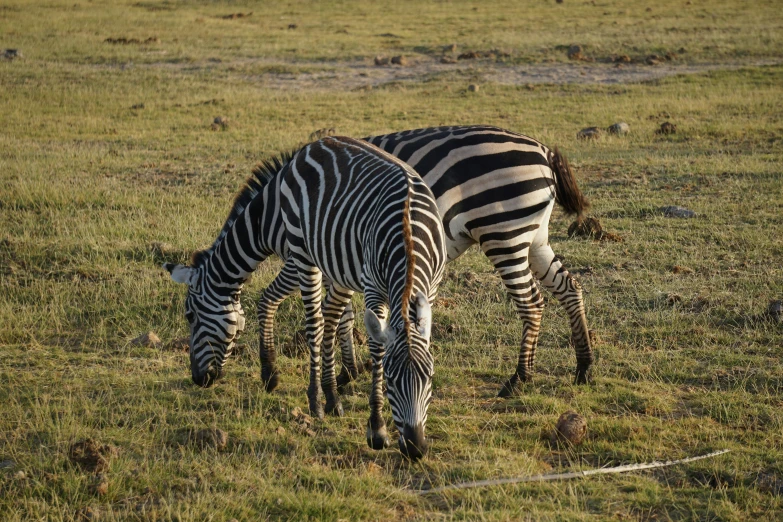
column 677, row 212
column 100, row 484
column 619, row 128
column 473, row 87
column 210, row 438
column 220, row 122
column 20, row 475
column 589, row 133
column 233, row 16
column 381, row 60
column 149, row 339
column 298, row 346
column 470, row 55
column 673, row 299
column 160, row 248
column 575, row 52
column 667, row 128
column 374, row 469
column 280, row 430
column 12, row 54
column 588, row 227
column 87, row 513
column 321, row 133
column 179, row 345
column 571, row 427
column 447, row 59
column 309, row 432
column 399, row 60
column 775, row 311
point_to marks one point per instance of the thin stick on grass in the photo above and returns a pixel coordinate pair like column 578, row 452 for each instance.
column 573, row 474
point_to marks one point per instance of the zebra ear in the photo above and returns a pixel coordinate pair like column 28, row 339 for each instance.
column 376, row 328
column 423, row 315
column 179, row 273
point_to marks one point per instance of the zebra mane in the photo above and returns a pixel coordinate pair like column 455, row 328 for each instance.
column 263, row 174
column 407, row 236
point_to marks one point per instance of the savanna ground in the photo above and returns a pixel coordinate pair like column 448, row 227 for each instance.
column 96, row 194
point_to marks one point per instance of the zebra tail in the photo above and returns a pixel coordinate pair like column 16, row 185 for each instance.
column 567, row 193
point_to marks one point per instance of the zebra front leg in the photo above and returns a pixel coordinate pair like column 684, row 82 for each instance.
column 349, row 370
column 284, row 285
column 377, row 436
column 310, row 280
column 336, row 299
column 555, row 278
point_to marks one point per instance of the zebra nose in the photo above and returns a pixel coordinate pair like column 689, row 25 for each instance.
column 207, row 378
column 412, row 443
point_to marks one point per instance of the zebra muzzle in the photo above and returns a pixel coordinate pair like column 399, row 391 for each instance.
column 413, row 444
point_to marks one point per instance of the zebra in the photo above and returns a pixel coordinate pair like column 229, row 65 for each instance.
column 341, row 209
column 252, row 232
column 495, row 188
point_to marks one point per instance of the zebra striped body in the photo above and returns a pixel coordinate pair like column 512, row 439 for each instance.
column 368, row 223
column 494, row 188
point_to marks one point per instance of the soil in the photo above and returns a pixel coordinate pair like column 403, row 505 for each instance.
column 91, row 456
column 365, row 74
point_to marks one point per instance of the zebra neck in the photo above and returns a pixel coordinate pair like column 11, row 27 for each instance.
column 236, row 253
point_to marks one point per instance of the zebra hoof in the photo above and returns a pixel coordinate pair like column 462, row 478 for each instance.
column 379, row 439
column 511, row 386
column 271, row 381
column 335, row 409
column 317, row 410
column 507, row 390
column 583, row 376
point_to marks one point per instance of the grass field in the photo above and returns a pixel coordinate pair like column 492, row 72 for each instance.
column 95, row 194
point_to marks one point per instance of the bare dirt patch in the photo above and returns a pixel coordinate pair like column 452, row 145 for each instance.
column 365, row 74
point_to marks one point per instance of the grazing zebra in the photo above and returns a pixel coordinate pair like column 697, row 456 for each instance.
column 367, row 222
column 346, row 210
column 495, row 188
column 252, row 232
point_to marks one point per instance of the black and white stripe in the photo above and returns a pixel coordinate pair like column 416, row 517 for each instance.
column 495, row 188
column 344, row 210
column 368, row 223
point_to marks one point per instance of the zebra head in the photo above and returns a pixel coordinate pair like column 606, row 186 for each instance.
column 215, row 318
column 409, row 367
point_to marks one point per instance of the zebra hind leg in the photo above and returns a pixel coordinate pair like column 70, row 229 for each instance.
column 510, row 261
column 283, row 286
column 334, row 304
column 555, row 278
column 350, row 370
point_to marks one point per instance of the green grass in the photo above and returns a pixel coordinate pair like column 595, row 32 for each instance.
column 88, row 186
